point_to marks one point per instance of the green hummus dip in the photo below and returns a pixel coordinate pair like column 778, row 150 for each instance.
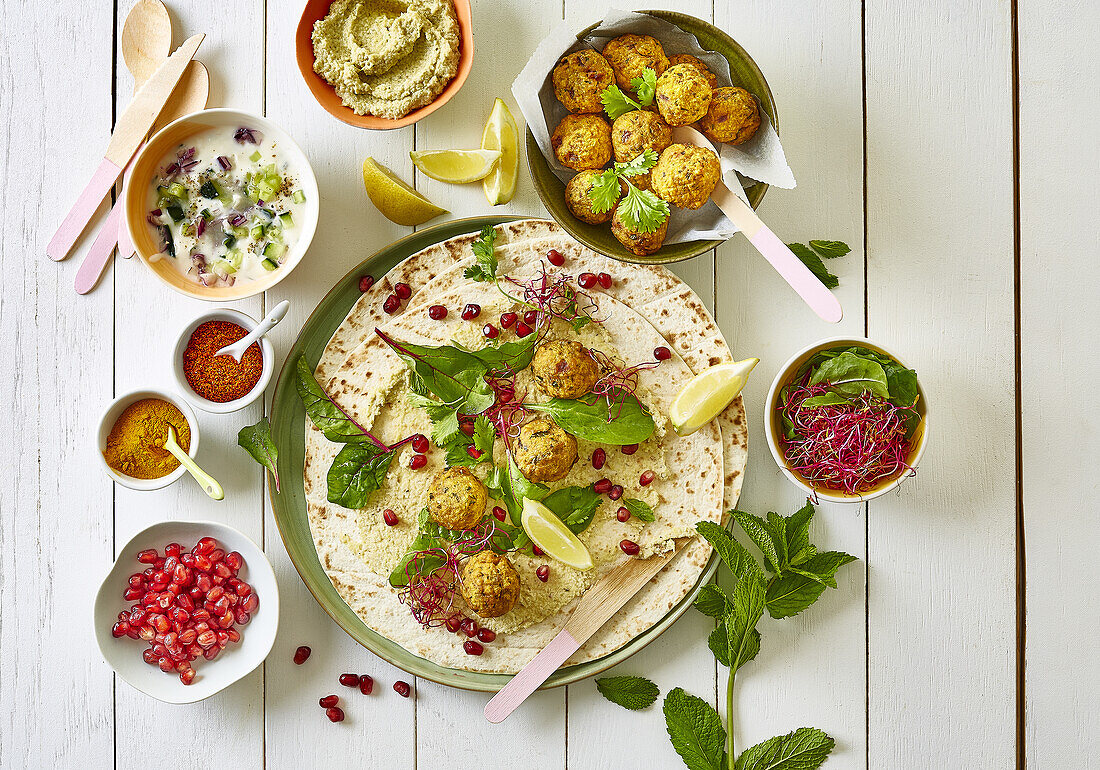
column 387, row 57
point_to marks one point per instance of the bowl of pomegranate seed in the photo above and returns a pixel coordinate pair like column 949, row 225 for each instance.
column 188, row 608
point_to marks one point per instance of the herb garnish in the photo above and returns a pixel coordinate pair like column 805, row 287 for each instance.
column 620, row 421
column 485, row 265
column 812, row 255
column 639, row 509
column 630, row 692
column 454, row 375
column 640, row 209
column 575, row 506
column 256, row 440
column 616, row 103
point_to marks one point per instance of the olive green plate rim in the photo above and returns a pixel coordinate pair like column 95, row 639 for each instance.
column 744, row 72
column 288, row 506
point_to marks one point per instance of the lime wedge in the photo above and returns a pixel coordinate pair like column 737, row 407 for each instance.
column 550, row 534
column 501, row 134
column 707, row 394
column 455, row 166
column 397, row 201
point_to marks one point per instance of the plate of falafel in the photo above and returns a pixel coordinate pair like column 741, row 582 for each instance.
column 410, row 440
column 600, row 141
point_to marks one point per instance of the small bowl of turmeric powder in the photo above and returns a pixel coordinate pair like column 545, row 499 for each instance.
column 132, row 434
column 221, row 384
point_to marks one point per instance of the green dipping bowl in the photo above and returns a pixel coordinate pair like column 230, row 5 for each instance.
column 551, row 190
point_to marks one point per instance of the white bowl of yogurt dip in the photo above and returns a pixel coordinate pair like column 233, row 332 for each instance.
column 221, row 204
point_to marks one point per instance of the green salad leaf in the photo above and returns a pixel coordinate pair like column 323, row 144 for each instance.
column 322, row 411
column 630, row 692
column 485, row 260
column 256, row 440
column 625, row 422
column 454, row 375
column 850, row 375
column 356, row 472
column 507, row 357
column 575, row 506
column 429, row 535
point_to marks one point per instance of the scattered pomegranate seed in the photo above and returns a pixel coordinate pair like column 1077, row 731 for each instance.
column 251, row 603
column 366, row 684
column 615, row 492
column 329, row 701
column 486, row 635
column 187, row 676
column 522, row 330
column 437, row 312
column 531, row 317
column 365, row 282
column 349, row 680
column 599, row 457
column 467, row 427
column 602, row 487
column 662, row 353
column 507, row 319
column 504, row 396
column 335, row 714
column 402, row 688
column 474, row 452
column 148, row 556
column 417, row 461
column 173, row 549
column 391, row 305
column 390, row 517
column 646, row 478
column 453, row 623
column 537, row 551
column 403, row 290
column 120, row 629
column 623, row 514
column 469, row 627
column 604, row 279
column 556, row 257
column 587, row 280
column 629, row 547
column 499, row 512
column 472, row 648
column 471, row 311
column 490, row 331
column 206, row 545
column 629, row 449
column 420, row 443
column 543, row 573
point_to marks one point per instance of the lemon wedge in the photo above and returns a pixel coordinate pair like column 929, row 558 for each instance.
column 397, row 201
column 456, row 166
column 707, row 394
column 550, row 534
column 501, row 134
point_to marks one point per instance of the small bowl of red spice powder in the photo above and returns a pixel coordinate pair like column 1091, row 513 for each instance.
column 221, row 384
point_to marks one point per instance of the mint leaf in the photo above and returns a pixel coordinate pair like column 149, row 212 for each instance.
column 791, row 594
column 804, row 749
column 758, row 532
column 356, row 472
column 695, row 730
column 712, row 601
column 719, row 643
column 485, row 261
column 639, row 509
column 748, row 607
column 256, row 440
column 736, row 557
column 822, row 567
column 630, row 692
column 811, row 260
column 830, row 249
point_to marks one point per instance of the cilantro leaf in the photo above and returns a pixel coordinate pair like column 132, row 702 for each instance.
column 639, row 509
column 811, row 260
column 485, row 265
column 444, row 418
column 616, row 103
column 256, row 440
column 630, row 692
column 646, row 160
column 712, row 601
column 804, row 749
column 356, row 472
column 642, row 210
column 575, row 506
column 484, row 436
column 695, row 730
column 645, row 87
column 605, row 191
column 830, row 249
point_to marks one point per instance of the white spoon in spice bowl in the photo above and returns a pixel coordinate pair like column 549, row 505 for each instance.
column 208, row 483
column 238, row 348
column 813, row 292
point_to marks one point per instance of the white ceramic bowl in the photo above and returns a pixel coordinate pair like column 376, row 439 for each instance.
column 237, row 661
column 107, row 421
column 788, row 370
column 144, row 168
column 268, row 352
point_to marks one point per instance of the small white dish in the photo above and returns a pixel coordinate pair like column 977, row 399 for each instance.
column 789, row 369
column 107, row 421
column 212, row 676
column 242, row 320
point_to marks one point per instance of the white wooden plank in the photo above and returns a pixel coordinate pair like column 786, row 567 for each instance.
column 148, row 317
column 942, row 647
column 378, row 731
column 1061, row 431
column 55, row 501
column 810, row 671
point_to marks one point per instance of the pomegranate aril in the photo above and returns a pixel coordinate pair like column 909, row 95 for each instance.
column 207, row 639
column 329, row 701
column 391, row 304
column 420, row 443
column 170, row 564
column 628, row 449
column 137, row 580
column 149, row 657
column 486, row 635
column 472, row 648
column 491, row 332
column 403, row 290
column 471, row 311
column 536, row 550
column 148, row 556
column 469, row 627
column 301, row 655
column 437, row 312
column 531, row 317
column 662, row 353
column 389, row 517
column 474, row 452
column 557, row 259
column 599, row 457
column 215, row 593
column 241, row 617
column 543, row 573
column 206, row 545
column 602, row 487
column 226, row 620
column 120, row 629
column 234, row 635
column 365, row 282
column 132, row 593
column 223, row 638
column 221, row 606
column 467, row 427
column 587, row 280
column 234, row 560
column 211, row 652
column 188, row 676
column 200, row 615
column 349, row 680
column 187, row 636
column 187, row 559
column 604, row 280
column 335, row 714
column 146, row 633
column 418, row 461
column 243, row 589
column 402, row 688
column 173, row 549
column 623, row 514
column 203, row 563
column 222, row 571
column 181, row 575
column 507, row 319
column 161, row 624
column 453, row 623
column 166, row 664
column 629, row 547
column 499, row 513
column 615, row 492
column 646, row 478
column 522, row 330
column 366, row 684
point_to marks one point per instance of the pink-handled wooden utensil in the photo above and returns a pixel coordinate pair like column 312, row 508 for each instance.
column 130, row 130
column 595, row 608
column 813, row 292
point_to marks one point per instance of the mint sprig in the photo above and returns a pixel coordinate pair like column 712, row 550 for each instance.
column 630, row 692
column 812, row 255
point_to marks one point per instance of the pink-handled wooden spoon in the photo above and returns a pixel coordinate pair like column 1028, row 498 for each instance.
column 813, row 292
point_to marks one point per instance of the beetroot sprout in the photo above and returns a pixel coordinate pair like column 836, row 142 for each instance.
column 617, row 382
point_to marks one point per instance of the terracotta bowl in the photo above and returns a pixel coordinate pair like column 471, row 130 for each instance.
column 325, row 94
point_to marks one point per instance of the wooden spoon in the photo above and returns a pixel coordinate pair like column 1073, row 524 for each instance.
column 146, row 39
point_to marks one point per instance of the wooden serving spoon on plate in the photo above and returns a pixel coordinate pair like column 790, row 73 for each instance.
column 814, row 292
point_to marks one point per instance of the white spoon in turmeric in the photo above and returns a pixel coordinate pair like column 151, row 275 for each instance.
column 208, row 483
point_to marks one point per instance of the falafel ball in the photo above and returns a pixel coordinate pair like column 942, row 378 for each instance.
column 686, row 58
column 543, row 451
column 579, row 202
column 640, row 243
column 456, row 499
column 630, row 55
column 732, row 117
column 635, row 132
column 582, row 142
column 683, row 95
column 685, row 175
column 490, row 584
column 579, row 77
column 563, row 368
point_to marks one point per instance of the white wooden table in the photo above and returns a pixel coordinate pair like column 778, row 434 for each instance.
column 952, row 144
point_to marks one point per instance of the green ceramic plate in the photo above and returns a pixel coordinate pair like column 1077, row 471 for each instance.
column 743, row 72
column 289, row 505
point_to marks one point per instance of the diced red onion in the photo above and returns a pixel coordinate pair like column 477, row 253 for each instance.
column 190, row 165
column 200, row 227
column 247, row 135
column 224, row 163
column 230, row 280
column 237, row 220
column 198, row 260
column 186, row 154
column 208, row 279
column 172, row 170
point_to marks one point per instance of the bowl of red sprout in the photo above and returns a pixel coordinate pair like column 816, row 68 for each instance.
column 847, row 420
